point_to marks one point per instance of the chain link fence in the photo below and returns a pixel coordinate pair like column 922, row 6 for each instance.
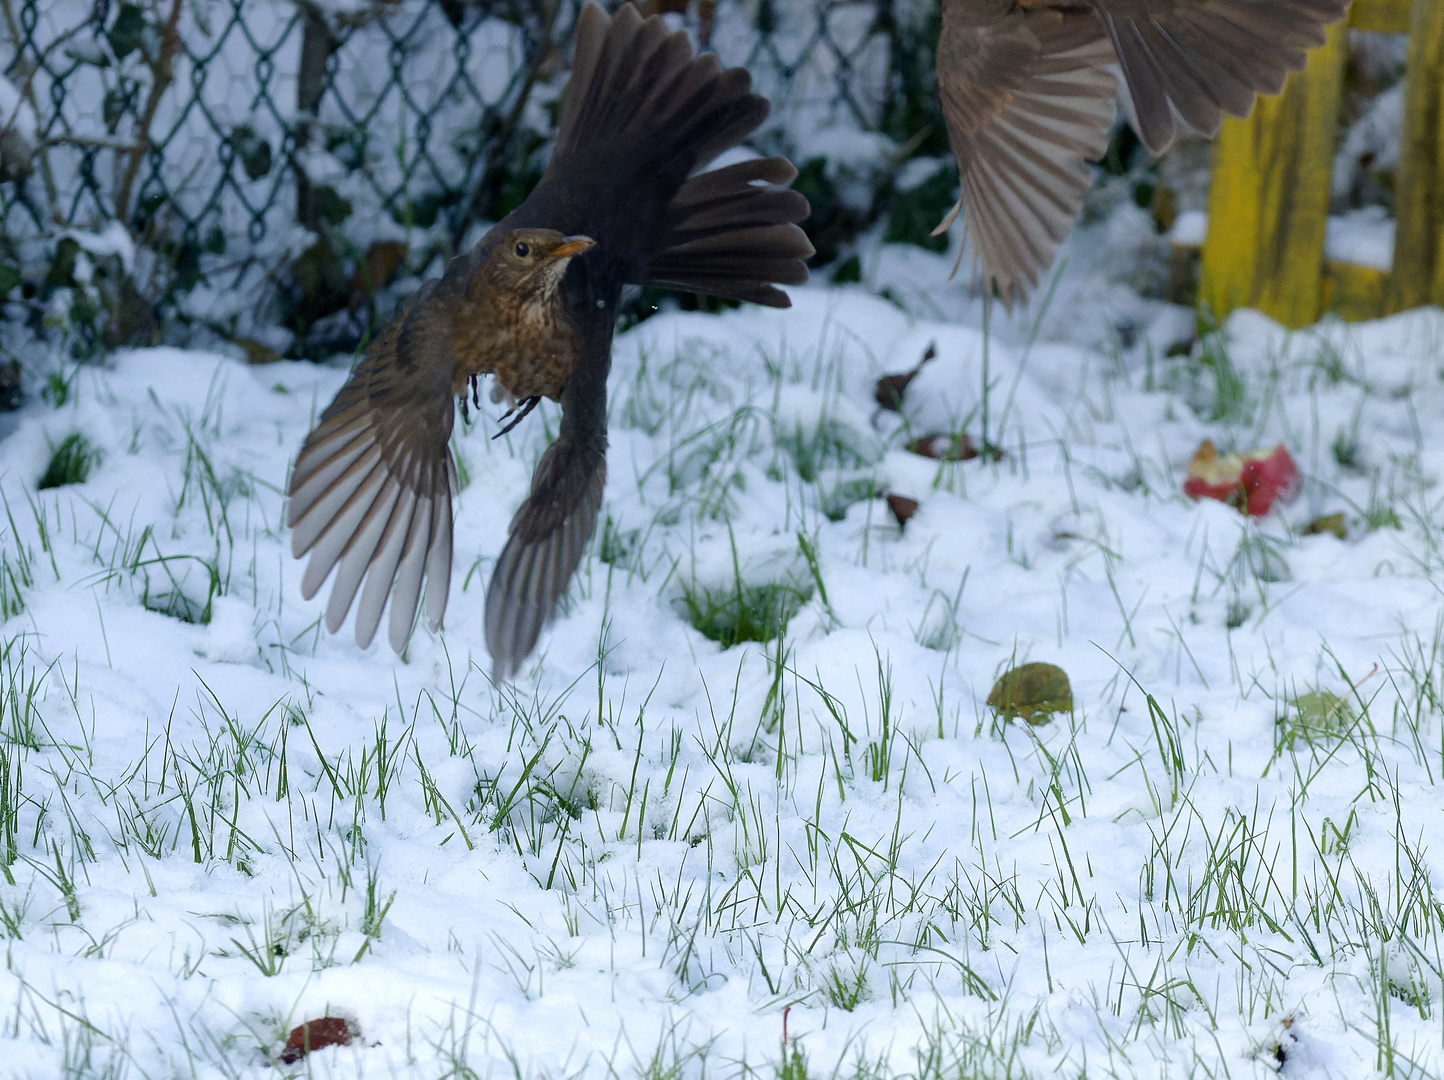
column 272, row 172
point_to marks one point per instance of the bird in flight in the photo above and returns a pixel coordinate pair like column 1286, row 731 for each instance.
column 534, row 305
column 1028, row 98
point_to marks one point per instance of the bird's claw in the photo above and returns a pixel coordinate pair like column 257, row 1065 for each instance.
column 516, row 414
column 474, row 382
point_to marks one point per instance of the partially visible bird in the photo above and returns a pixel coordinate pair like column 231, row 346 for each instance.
column 1028, row 100
column 534, row 304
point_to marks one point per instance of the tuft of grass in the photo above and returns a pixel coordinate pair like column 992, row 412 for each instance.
column 741, row 612
column 836, row 500
column 1214, row 387
column 831, row 444
column 617, row 547
column 1380, row 512
column 277, row 940
column 1330, row 366
column 57, row 387
column 845, row 986
column 1345, row 449
column 793, row 1065
column 1237, row 613
column 70, row 462
column 14, row 576
column 10, row 799
column 174, row 597
column 1259, row 559
column 374, row 914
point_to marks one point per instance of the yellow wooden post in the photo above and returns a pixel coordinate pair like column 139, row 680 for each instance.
column 1354, row 293
column 1418, row 275
column 1388, row 16
column 1268, row 200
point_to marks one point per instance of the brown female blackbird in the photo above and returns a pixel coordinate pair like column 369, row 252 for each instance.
column 534, row 304
column 1029, row 100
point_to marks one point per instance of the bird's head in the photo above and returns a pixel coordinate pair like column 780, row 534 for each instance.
column 530, row 262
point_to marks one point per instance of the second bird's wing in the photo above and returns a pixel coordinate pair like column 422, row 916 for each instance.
column 1208, row 57
column 1028, row 103
column 370, row 492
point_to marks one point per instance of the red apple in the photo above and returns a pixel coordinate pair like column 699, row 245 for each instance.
column 1250, row 482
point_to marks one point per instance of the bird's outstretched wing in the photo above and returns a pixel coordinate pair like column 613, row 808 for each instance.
column 371, row 490
column 548, row 536
column 1208, row 57
column 550, row 531
column 1028, row 103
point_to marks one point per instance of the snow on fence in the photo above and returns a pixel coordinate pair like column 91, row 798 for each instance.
column 1269, row 195
column 274, row 162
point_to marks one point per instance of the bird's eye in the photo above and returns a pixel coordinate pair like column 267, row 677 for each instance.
column 523, row 249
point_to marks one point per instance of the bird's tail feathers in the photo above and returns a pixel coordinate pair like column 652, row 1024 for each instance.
column 729, row 235
column 641, row 106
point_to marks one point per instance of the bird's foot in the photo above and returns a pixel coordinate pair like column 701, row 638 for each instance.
column 516, row 414
column 475, row 399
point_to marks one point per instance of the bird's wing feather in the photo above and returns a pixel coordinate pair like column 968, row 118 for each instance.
column 1208, row 57
column 550, row 532
column 370, row 493
column 548, row 536
column 1028, row 103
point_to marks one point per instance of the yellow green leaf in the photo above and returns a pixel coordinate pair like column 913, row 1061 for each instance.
column 1032, row 692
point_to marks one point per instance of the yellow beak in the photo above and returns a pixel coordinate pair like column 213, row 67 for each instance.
column 573, row 245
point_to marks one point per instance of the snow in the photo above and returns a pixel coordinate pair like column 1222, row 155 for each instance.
column 1364, row 236
column 15, row 112
column 112, row 239
column 844, row 147
column 1372, row 142
column 1190, row 228
column 917, row 171
column 639, row 854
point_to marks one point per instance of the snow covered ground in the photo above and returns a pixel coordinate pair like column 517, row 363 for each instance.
column 221, row 822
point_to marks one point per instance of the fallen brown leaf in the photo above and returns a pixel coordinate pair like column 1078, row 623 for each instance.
column 1327, row 523
column 901, row 506
column 315, row 1035
column 889, row 392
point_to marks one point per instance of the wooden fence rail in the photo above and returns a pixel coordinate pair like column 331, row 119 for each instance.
column 1269, row 194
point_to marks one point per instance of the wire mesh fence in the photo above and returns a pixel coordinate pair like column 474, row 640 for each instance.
column 265, row 169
